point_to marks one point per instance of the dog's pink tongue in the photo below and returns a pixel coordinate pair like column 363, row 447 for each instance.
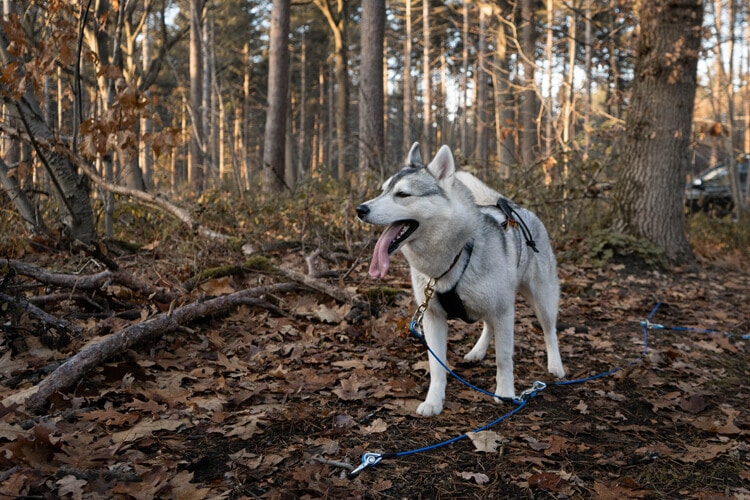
column 380, row 259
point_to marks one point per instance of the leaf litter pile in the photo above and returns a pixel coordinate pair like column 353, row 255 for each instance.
column 279, row 395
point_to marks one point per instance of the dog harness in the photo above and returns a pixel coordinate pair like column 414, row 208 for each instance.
column 450, row 301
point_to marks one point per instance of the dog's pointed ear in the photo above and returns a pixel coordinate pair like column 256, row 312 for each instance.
column 414, row 159
column 442, row 166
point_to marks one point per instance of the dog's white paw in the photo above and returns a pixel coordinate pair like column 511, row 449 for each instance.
column 476, row 354
column 429, row 409
column 556, row 369
column 507, row 395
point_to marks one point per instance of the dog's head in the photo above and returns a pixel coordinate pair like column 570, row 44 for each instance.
column 410, row 197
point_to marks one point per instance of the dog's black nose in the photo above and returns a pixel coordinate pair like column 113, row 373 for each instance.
column 362, row 211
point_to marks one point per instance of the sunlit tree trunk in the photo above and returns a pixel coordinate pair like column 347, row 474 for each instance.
column 278, row 84
column 549, row 104
column 407, row 137
column 588, row 50
column 504, row 104
column 244, row 126
column 652, row 165
column 481, row 83
column 529, row 102
column 463, row 85
column 337, row 21
column 426, row 82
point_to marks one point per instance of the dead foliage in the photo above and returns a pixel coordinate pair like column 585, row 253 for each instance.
column 279, row 396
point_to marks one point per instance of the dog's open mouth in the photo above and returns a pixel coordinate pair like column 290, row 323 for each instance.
column 388, row 243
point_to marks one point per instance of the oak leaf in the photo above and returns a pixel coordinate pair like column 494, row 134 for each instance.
column 486, row 441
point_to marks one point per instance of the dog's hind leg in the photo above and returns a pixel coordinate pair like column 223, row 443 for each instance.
column 502, row 328
column 545, row 303
column 479, row 351
column 436, row 334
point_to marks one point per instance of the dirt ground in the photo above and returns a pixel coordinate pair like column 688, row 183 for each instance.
column 255, row 404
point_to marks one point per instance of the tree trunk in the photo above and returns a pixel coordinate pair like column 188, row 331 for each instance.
column 337, row 20
column 407, row 137
column 72, row 194
column 278, row 85
column 463, row 83
column 426, row 82
column 504, row 104
column 371, row 139
column 652, row 166
column 588, row 41
column 529, row 102
column 302, row 149
column 482, row 92
column 145, row 159
column 196, row 161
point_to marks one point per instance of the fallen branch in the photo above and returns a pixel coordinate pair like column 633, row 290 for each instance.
column 46, row 318
column 75, row 367
column 90, row 282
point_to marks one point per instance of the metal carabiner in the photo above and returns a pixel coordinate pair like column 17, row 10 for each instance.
column 651, row 326
column 368, row 460
column 532, row 391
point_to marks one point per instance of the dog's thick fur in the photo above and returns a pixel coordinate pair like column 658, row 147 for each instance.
column 447, row 225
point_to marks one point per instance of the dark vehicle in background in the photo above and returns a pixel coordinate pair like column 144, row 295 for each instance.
column 711, row 191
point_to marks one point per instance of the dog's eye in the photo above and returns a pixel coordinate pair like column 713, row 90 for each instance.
column 402, row 194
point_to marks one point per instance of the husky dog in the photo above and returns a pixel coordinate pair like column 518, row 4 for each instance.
column 479, row 248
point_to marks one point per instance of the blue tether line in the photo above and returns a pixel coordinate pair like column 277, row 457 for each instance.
column 372, row 459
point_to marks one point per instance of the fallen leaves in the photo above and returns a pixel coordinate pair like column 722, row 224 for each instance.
column 258, row 404
column 486, row 441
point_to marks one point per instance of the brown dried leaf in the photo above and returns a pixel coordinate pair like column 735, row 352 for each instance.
column 486, row 441
column 477, row 477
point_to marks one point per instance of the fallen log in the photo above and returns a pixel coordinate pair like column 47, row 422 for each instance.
column 76, row 366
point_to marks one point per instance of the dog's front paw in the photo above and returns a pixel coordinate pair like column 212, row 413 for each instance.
column 556, row 369
column 428, row 409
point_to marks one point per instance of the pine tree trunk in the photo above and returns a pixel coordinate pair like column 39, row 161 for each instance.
column 652, row 166
column 278, row 84
column 371, row 139
column 407, row 137
column 426, row 82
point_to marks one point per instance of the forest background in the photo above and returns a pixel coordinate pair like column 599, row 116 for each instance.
column 185, row 98
column 183, row 174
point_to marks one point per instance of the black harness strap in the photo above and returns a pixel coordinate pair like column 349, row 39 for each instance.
column 450, row 300
column 507, row 209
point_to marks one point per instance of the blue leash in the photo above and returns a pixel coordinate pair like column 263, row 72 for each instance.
column 372, row 459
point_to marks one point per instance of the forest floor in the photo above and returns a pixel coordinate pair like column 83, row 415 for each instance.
column 275, row 402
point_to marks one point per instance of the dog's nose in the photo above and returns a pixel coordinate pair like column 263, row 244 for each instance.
column 362, row 211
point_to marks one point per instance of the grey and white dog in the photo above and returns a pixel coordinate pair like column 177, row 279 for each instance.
column 480, row 248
